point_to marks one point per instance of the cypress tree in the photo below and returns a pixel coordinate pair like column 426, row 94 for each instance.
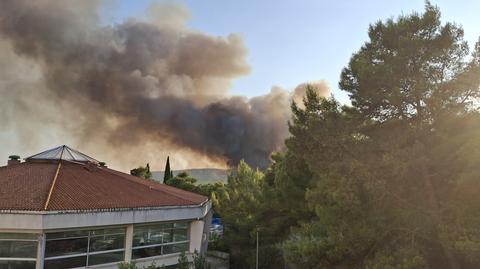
column 168, row 173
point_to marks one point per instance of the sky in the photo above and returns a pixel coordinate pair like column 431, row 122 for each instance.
column 291, row 42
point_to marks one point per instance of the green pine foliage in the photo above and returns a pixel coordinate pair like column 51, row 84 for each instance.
column 390, row 170
column 390, row 181
column 183, row 262
column 238, row 205
column 199, row 261
column 142, row 171
column 183, row 181
column 186, row 182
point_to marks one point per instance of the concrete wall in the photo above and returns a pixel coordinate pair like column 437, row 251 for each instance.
column 206, row 231
column 65, row 220
column 196, row 234
column 41, row 222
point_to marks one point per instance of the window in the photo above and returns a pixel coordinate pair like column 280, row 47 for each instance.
column 11, row 264
column 73, row 249
column 160, row 239
column 18, row 251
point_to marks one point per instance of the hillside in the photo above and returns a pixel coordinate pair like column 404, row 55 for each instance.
column 203, row 175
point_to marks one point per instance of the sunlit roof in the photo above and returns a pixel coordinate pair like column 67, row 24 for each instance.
column 62, row 153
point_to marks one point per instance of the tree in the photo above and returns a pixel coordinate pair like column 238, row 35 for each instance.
column 393, row 179
column 199, row 261
column 168, row 174
column 210, row 189
column 322, row 145
column 183, row 262
column 413, row 69
column 238, row 205
column 186, row 182
column 183, row 181
column 143, row 172
column 275, row 202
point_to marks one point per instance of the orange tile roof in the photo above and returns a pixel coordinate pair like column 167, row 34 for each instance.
column 81, row 186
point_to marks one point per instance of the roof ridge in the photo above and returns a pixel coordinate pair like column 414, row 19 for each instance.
column 53, row 185
column 140, row 182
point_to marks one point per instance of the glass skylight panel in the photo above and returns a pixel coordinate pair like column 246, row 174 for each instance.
column 62, row 153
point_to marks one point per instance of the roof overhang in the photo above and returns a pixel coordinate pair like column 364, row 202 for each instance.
column 53, row 220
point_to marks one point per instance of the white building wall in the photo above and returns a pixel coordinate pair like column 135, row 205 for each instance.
column 40, row 251
column 128, row 243
column 41, row 222
column 66, row 220
column 196, row 234
column 206, row 231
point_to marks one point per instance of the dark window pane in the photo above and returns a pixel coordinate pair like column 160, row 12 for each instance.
column 18, row 249
column 140, row 230
column 66, row 247
column 107, row 232
column 160, row 233
column 106, row 258
column 147, row 239
column 147, row 235
column 153, row 238
column 167, row 236
column 18, row 236
column 180, row 235
column 107, row 242
column 146, row 252
column 183, row 225
column 17, row 265
column 68, row 234
column 66, row 263
column 176, row 248
column 167, row 225
column 139, row 236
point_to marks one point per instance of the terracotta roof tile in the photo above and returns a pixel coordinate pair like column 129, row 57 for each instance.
column 25, row 186
column 80, row 186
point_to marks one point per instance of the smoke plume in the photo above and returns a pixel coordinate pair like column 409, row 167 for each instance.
column 139, row 82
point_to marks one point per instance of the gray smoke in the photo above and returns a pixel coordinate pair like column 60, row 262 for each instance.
column 146, row 80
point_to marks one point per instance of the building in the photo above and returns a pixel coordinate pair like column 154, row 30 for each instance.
column 63, row 209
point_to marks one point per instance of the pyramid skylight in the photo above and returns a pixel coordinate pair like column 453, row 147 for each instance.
column 62, row 153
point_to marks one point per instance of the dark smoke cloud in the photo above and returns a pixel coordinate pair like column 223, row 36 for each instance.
column 146, row 80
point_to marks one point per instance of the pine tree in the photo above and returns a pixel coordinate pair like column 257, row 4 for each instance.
column 394, row 180
column 168, row 173
column 143, row 172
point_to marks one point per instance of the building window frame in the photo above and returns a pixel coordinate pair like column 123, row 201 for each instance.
column 20, row 237
column 185, row 225
column 89, row 235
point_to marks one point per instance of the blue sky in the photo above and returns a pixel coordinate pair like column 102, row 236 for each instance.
column 291, row 42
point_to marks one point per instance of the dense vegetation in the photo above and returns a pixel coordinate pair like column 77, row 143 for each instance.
column 142, row 171
column 388, row 182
